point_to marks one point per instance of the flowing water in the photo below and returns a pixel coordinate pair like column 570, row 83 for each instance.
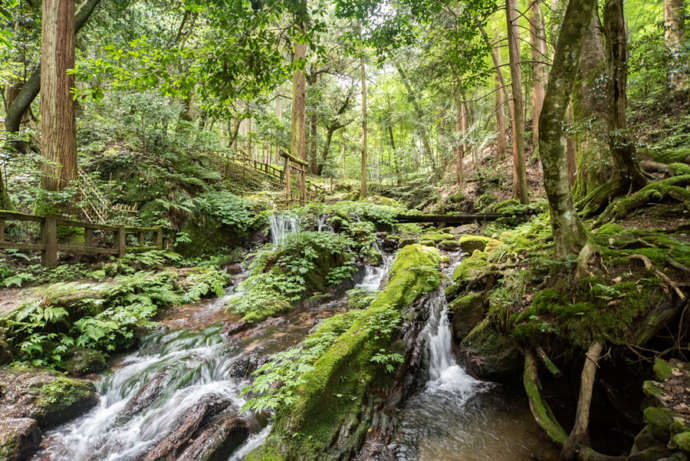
column 190, row 363
column 281, row 225
column 458, row 418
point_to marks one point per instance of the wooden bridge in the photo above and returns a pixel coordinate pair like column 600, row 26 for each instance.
column 455, row 219
column 147, row 238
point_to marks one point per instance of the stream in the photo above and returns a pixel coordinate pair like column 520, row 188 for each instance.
column 182, row 388
column 458, row 418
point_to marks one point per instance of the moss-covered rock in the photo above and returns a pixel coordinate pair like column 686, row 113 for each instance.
column 49, row 398
column 329, row 406
column 449, row 245
column 662, row 369
column 659, row 421
column 492, row 355
column 466, row 313
column 682, row 441
column 19, row 438
column 81, row 361
column 470, row 243
column 358, row 298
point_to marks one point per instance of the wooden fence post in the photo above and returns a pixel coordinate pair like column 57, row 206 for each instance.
column 121, row 241
column 142, row 238
column 159, row 238
column 89, row 237
column 49, row 257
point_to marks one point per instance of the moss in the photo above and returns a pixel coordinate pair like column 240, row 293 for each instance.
column 435, row 237
column 678, row 426
column 497, row 355
column 659, row 421
column 655, row 191
column 82, row 361
column 653, row 392
column 662, row 369
column 333, row 392
column 449, row 245
column 470, row 243
column 466, row 313
column 63, row 399
column 682, row 441
column 540, row 409
column 471, row 265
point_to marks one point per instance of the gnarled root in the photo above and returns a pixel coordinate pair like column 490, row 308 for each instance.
column 540, row 409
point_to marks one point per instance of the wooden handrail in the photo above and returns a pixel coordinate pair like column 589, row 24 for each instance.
column 49, row 245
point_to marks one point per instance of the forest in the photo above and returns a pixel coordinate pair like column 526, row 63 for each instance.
column 451, row 230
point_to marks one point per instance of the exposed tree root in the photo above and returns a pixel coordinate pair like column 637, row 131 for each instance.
column 586, row 254
column 657, row 191
column 579, row 438
column 540, row 409
column 548, row 363
column 650, row 267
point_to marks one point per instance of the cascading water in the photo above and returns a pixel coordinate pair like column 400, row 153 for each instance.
column 374, row 275
column 455, row 418
column 281, row 225
column 321, row 225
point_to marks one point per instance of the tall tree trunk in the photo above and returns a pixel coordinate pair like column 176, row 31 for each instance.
column 568, row 233
column 519, row 172
column 298, row 147
column 58, row 131
column 539, row 56
column 326, row 148
column 313, row 144
column 460, row 123
column 501, row 134
column 363, row 179
column 570, row 148
column 674, row 24
column 18, row 107
column 627, row 175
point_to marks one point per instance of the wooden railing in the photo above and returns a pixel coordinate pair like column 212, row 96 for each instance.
column 49, row 246
column 273, row 172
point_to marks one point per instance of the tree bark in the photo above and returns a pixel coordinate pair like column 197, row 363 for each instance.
column 363, row 178
column 519, row 172
column 627, row 176
column 568, row 233
column 298, row 147
column 674, row 36
column 539, row 56
column 570, row 149
column 18, row 107
column 460, row 147
column 58, row 131
column 501, row 134
column 313, row 144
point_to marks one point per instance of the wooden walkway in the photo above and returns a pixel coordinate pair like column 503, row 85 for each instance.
column 147, row 238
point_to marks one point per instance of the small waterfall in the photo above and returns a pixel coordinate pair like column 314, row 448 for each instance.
column 281, row 225
column 321, row 225
column 374, row 275
column 444, row 371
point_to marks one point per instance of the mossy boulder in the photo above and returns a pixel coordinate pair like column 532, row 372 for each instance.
column 19, row 438
column 470, row 243
column 466, row 313
column 81, row 361
column 682, row 441
column 328, row 409
column 662, row 369
column 491, row 355
column 449, row 245
column 659, row 421
column 358, row 298
column 48, row 397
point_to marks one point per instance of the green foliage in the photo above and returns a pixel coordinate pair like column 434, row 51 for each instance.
column 227, row 208
column 304, row 263
column 101, row 317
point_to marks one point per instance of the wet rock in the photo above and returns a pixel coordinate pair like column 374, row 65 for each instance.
column 186, row 427
column 235, row 269
column 148, row 394
column 82, row 361
column 47, row 397
column 220, row 438
column 19, row 438
column 490, row 355
column 466, row 313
